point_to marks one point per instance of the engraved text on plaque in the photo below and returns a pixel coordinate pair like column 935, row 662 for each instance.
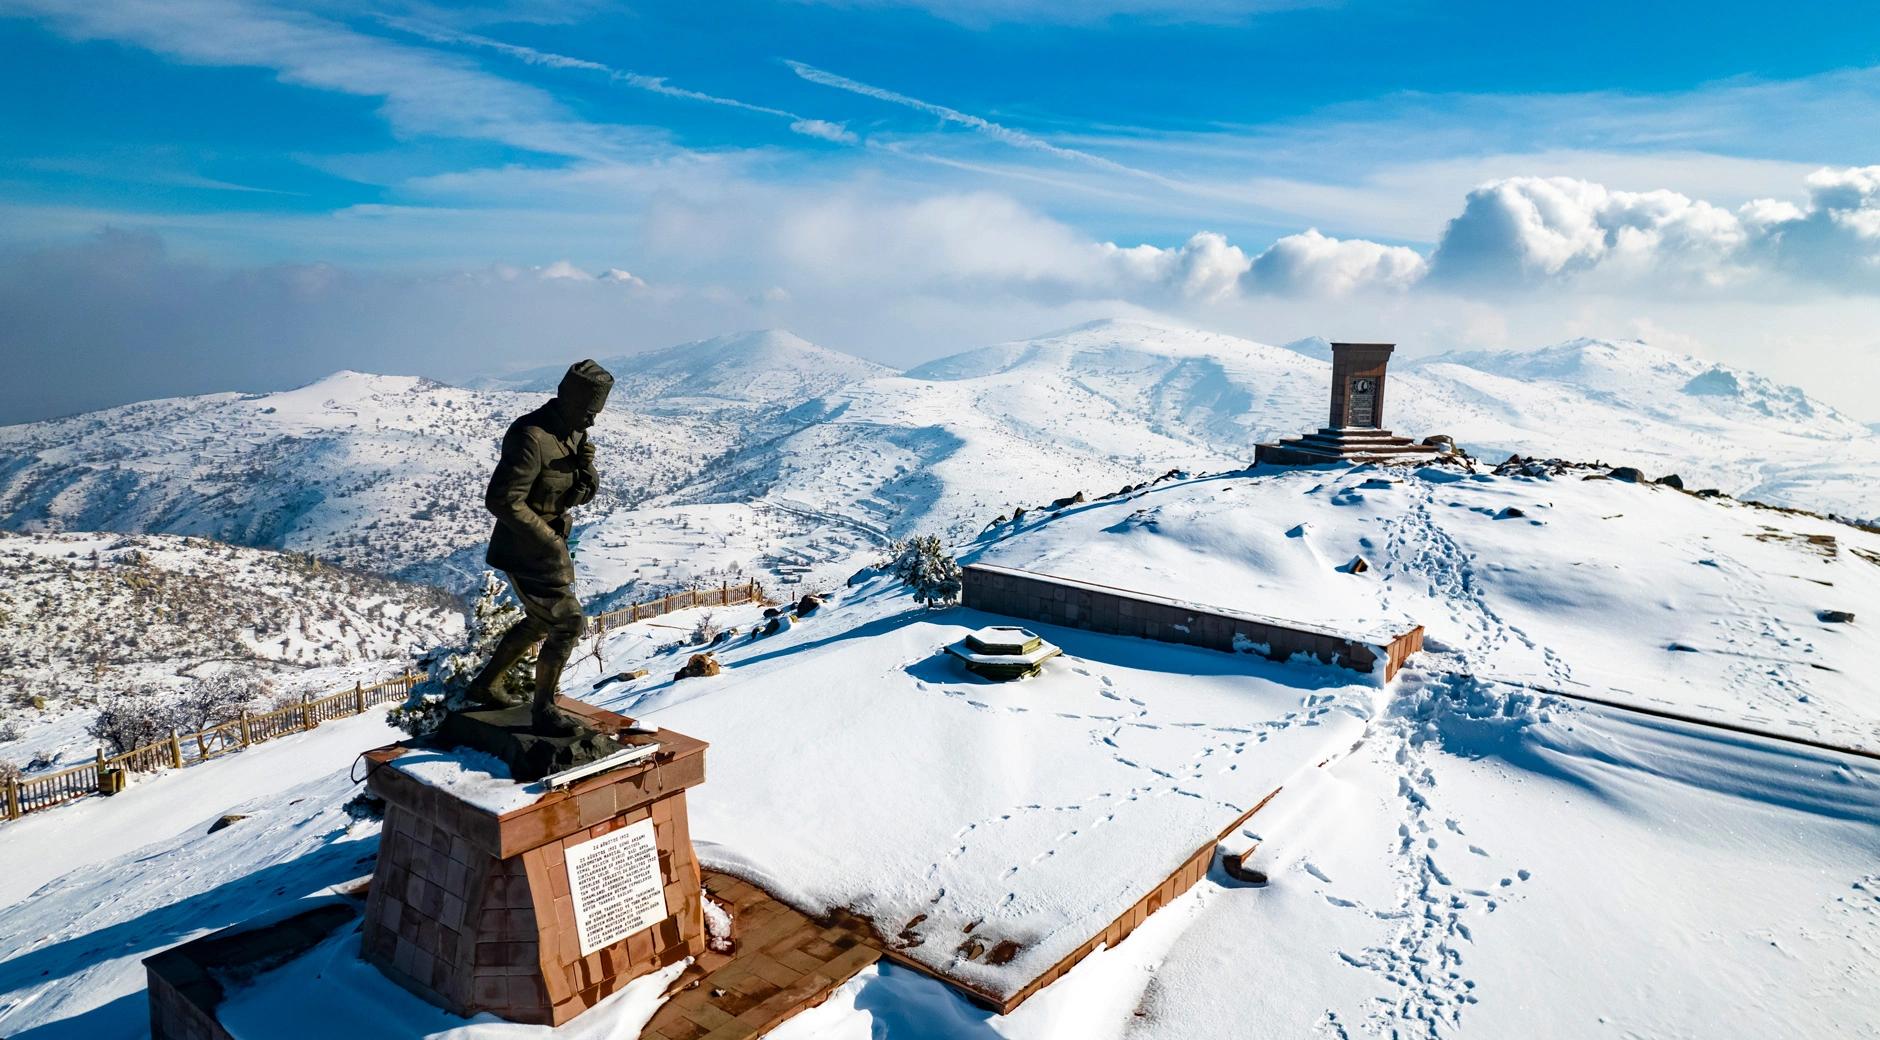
column 615, row 885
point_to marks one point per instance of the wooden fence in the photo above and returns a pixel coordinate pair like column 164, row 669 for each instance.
column 726, row 595
column 107, row 774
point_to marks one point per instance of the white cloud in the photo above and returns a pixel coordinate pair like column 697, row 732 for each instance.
column 1551, row 230
column 563, row 271
column 1835, row 238
column 1206, row 267
column 1318, row 265
column 617, row 276
column 1536, row 229
column 824, row 129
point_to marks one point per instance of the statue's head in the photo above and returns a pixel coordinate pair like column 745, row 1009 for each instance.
column 583, row 393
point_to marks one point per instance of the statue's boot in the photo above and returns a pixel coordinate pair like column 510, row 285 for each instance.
column 509, row 649
column 549, row 720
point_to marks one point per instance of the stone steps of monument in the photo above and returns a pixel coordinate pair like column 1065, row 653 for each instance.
column 1391, row 446
column 1296, row 451
column 1354, row 433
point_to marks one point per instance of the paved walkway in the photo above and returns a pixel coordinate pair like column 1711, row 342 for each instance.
column 783, row 963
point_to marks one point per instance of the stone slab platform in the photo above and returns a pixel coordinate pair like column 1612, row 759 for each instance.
column 188, row 983
column 783, row 963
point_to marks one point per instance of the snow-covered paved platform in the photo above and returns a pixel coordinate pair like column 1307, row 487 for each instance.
column 987, row 830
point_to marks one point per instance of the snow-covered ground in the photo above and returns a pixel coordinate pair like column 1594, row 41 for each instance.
column 1473, row 858
column 1634, row 592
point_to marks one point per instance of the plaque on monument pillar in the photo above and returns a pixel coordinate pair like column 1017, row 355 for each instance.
column 615, row 885
column 1361, row 404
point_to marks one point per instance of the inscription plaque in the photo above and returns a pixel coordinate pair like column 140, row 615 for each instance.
column 1361, row 406
column 615, row 885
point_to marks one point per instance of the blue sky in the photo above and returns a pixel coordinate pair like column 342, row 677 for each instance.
column 436, row 189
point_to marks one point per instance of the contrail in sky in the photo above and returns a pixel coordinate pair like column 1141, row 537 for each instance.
column 1016, row 138
column 654, row 84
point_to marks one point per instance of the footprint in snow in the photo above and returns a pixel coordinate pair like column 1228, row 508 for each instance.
column 1315, row 872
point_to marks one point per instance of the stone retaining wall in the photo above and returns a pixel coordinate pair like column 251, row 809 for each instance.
column 1101, row 608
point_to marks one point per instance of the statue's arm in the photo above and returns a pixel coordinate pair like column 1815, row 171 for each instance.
column 508, row 494
column 586, row 480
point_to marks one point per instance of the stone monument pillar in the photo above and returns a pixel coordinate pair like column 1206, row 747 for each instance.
column 1358, row 385
column 527, row 903
column 1355, row 430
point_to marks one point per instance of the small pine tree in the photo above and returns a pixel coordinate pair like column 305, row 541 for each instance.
column 448, row 675
column 924, row 565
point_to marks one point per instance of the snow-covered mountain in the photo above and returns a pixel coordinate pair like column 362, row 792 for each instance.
column 950, row 444
column 745, row 370
column 954, row 443
column 384, row 473
column 1629, row 403
column 763, row 454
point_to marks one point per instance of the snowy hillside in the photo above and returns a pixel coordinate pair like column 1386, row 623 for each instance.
column 87, row 616
column 384, row 473
column 950, row 445
column 1436, row 844
column 1628, row 403
column 745, row 370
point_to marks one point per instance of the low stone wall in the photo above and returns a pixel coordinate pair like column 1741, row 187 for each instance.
column 1101, row 608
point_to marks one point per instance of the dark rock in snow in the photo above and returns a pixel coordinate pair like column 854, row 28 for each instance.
column 808, row 604
column 1237, row 867
column 1358, row 565
column 1627, row 473
column 1672, row 480
column 226, row 820
column 698, row 667
column 1510, row 513
column 1835, row 617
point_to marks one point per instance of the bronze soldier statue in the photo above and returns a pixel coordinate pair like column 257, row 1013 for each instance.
column 546, row 469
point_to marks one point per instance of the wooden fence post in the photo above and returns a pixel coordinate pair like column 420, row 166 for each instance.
column 246, row 739
column 724, row 593
column 13, row 797
column 306, row 716
column 359, row 699
column 176, row 750
column 202, row 748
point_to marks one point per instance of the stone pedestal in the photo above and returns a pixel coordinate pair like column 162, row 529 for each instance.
column 474, row 909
